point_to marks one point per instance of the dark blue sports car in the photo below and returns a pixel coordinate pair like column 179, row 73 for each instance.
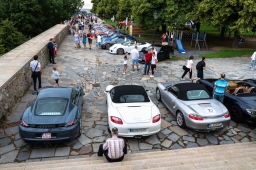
column 55, row 115
column 240, row 99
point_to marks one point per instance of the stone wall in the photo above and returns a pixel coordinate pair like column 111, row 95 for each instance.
column 15, row 74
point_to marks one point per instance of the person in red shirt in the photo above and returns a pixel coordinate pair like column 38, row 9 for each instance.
column 147, row 59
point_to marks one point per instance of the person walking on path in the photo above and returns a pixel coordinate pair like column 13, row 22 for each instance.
column 84, row 40
column 50, row 47
column 155, row 51
column 114, row 148
column 253, row 60
column 56, row 76
column 220, row 88
column 98, row 44
column 200, row 66
column 153, row 63
column 135, row 58
column 76, row 40
column 125, row 62
column 36, row 70
column 90, row 38
column 188, row 68
column 147, row 59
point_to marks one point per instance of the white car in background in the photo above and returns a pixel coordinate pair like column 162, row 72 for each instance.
column 131, row 111
column 127, row 47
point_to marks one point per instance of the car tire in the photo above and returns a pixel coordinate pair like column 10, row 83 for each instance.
column 180, row 120
column 120, row 51
column 236, row 113
column 158, row 95
column 79, row 134
column 108, row 46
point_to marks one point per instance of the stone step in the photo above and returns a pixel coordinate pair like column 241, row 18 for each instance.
column 201, row 157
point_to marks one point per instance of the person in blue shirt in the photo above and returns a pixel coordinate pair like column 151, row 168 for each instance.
column 220, row 88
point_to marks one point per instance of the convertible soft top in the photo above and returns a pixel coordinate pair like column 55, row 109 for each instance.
column 129, row 90
column 184, row 87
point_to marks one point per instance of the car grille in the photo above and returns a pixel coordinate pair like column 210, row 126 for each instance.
column 47, row 126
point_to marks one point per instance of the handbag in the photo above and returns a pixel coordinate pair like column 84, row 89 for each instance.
column 184, row 67
column 32, row 75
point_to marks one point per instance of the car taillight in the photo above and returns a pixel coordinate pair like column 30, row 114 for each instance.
column 23, row 123
column 72, row 122
column 227, row 115
column 116, row 120
column 156, row 118
column 195, row 117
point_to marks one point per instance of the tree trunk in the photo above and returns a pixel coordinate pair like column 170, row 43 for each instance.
column 163, row 28
column 197, row 26
column 235, row 41
column 222, row 32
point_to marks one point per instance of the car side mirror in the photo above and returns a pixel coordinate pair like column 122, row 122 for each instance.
column 148, row 91
column 106, row 92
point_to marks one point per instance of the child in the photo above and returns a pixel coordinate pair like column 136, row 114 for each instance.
column 153, row 63
column 56, row 76
column 125, row 62
column 55, row 49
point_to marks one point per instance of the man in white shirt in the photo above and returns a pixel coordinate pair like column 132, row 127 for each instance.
column 135, row 58
column 253, row 60
column 98, row 42
column 114, row 148
column 35, row 68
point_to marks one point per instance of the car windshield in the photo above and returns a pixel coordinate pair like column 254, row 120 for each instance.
column 126, row 43
column 132, row 98
column 51, row 106
column 197, row 94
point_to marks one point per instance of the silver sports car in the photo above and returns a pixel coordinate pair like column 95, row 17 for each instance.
column 192, row 106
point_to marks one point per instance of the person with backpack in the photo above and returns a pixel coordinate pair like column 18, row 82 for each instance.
column 200, row 67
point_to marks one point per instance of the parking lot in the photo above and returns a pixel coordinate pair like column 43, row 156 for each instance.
column 94, row 70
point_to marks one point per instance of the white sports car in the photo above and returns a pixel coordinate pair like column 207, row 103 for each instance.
column 131, row 111
column 127, row 47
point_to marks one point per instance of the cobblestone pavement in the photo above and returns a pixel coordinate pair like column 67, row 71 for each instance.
column 94, row 70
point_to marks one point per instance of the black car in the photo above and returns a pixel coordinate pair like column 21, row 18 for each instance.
column 239, row 99
column 163, row 52
column 55, row 115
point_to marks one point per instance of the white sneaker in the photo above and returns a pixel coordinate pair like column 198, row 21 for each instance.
column 123, row 73
column 151, row 76
column 182, row 79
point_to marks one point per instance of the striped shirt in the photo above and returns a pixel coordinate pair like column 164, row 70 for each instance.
column 115, row 147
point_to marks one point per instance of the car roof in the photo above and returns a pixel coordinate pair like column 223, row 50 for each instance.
column 62, row 92
column 184, row 87
column 128, row 90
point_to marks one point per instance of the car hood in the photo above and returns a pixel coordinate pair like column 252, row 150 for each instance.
column 135, row 114
column 251, row 101
column 207, row 108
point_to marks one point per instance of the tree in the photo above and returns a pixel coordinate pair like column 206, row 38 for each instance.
column 107, row 8
column 94, row 5
column 10, row 37
column 124, row 9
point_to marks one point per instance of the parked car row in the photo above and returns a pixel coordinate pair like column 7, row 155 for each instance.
column 55, row 115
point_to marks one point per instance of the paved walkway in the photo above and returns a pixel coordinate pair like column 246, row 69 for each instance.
column 94, row 70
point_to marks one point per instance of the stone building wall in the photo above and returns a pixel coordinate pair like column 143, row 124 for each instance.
column 15, row 74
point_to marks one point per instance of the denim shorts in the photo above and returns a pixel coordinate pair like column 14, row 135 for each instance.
column 98, row 44
column 135, row 61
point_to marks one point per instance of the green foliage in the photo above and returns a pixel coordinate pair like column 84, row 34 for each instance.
column 228, row 53
column 124, row 10
column 10, row 37
column 107, row 8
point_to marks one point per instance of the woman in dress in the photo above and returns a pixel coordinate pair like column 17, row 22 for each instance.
column 84, row 40
column 76, row 40
column 188, row 68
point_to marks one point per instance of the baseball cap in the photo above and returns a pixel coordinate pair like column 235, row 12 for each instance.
column 114, row 130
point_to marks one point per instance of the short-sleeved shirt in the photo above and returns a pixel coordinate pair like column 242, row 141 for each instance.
column 148, row 57
column 153, row 61
column 221, row 85
column 98, row 38
column 134, row 54
column 115, row 147
column 189, row 62
column 35, row 67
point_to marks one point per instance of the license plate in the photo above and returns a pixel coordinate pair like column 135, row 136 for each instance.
column 46, row 135
column 215, row 125
column 137, row 130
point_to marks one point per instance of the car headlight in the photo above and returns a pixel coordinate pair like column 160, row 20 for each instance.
column 251, row 111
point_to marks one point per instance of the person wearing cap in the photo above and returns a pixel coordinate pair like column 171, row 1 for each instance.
column 114, row 148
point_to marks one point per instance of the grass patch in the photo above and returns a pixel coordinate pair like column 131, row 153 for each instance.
column 108, row 21
column 174, row 58
column 228, row 53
